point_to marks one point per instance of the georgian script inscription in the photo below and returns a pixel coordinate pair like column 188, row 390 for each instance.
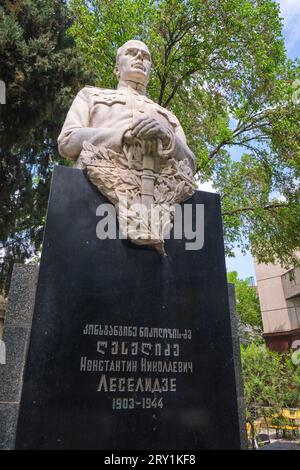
column 136, row 366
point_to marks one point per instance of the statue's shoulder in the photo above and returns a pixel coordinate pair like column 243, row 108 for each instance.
column 90, row 90
column 168, row 115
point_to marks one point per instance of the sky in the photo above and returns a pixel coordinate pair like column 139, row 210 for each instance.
column 290, row 12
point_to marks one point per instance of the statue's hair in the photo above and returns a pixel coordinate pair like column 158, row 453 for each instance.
column 120, row 50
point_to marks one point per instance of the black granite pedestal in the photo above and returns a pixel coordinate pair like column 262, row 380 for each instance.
column 129, row 349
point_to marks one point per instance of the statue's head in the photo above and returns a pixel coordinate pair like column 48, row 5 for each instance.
column 133, row 62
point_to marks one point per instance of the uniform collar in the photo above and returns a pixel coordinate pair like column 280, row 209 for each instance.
column 135, row 88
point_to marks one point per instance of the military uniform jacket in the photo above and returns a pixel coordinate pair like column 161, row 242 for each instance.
column 113, row 112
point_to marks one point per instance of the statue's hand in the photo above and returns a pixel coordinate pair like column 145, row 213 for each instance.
column 149, row 128
column 128, row 137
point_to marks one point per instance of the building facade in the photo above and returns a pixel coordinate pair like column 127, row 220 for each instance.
column 279, row 296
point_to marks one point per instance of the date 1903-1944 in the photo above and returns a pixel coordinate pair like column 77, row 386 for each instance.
column 131, row 403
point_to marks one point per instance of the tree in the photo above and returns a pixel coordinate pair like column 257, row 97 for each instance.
column 221, row 66
column 293, row 378
column 247, row 307
column 271, row 383
column 42, row 72
column 265, row 383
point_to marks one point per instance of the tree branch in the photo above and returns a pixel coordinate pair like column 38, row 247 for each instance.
column 240, row 129
column 252, row 209
column 177, row 84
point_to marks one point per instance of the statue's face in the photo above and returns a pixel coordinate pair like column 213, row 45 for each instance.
column 134, row 62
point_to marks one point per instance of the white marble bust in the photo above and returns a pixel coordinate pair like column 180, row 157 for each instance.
column 129, row 146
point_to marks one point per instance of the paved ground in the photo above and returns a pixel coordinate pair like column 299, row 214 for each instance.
column 281, row 445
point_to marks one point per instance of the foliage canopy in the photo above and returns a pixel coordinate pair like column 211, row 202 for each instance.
column 41, row 73
column 247, row 303
column 221, row 66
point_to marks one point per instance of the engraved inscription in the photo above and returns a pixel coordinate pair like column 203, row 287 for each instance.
column 137, row 367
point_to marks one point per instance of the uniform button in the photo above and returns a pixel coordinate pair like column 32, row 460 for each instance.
column 141, row 111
